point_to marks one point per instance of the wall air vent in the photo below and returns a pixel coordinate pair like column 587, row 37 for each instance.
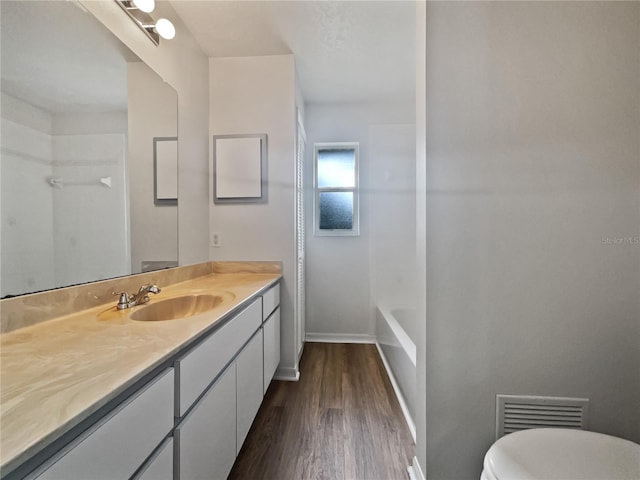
column 518, row 412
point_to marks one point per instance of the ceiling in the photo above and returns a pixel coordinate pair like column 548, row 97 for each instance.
column 345, row 51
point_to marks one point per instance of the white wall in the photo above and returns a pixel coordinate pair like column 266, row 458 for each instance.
column 27, row 198
column 257, row 95
column 181, row 63
column 91, row 240
column 392, row 249
column 74, row 123
column 532, row 160
column 50, row 232
column 152, row 107
column 336, row 265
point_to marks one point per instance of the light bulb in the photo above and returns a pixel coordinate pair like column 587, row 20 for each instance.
column 145, row 5
column 165, row 29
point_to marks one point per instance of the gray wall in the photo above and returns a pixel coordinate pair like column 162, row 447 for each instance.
column 420, row 419
column 533, row 152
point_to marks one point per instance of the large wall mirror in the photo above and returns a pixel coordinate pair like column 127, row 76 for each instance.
column 79, row 115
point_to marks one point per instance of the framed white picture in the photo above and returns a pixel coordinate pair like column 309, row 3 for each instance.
column 240, row 168
column 165, row 170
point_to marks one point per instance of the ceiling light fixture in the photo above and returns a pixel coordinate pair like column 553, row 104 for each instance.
column 165, row 29
column 138, row 11
column 146, row 6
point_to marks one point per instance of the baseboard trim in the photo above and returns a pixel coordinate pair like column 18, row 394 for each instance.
column 396, row 388
column 415, row 472
column 287, row 374
column 339, row 338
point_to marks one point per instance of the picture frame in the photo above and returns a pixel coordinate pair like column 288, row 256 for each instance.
column 240, row 168
column 165, row 171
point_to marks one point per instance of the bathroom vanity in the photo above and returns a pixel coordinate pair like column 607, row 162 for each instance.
column 103, row 396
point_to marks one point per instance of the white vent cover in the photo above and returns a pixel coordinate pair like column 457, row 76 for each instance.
column 518, row 412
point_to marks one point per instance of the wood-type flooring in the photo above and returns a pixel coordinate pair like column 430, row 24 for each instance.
column 340, row 421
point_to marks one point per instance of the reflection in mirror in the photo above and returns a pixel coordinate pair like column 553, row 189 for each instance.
column 152, row 113
column 165, row 170
column 78, row 121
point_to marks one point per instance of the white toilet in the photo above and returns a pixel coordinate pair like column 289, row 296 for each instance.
column 557, row 453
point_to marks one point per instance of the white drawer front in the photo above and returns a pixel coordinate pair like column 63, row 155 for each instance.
column 118, row 446
column 271, row 347
column 270, row 300
column 201, row 365
column 249, row 384
column 207, row 437
column 161, row 467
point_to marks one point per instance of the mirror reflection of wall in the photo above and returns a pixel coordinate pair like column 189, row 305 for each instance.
column 64, row 150
column 152, row 114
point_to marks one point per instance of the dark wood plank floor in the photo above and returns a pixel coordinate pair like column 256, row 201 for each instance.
column 340, row 421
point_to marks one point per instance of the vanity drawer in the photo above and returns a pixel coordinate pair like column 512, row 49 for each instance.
column 206, row 439
column 270, row 300
column 161, row 466
column 271, row 348
column 115, row 448
column 201, row 365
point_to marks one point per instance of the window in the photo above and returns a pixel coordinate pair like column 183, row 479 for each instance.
column 336, row 189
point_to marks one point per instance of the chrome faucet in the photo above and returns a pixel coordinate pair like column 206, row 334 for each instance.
column 131, row 300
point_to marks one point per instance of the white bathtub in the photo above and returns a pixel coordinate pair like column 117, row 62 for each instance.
column 393, row 329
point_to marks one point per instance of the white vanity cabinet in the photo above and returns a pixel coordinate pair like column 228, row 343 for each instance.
column 206, row 439
column 117, row 446
column 214, row 420
column 197, row 369
column 190, row 421
column 211, row 435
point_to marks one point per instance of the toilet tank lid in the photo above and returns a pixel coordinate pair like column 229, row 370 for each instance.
column 552, row 453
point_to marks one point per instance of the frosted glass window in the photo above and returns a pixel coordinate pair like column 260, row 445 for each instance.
column 336, row 189
column 336, row 210
column 337, row 168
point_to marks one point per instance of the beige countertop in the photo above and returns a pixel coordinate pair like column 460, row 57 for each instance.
column 57, row 373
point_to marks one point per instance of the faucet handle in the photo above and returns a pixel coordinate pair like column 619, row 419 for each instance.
column 149, row 288
column 123, row 301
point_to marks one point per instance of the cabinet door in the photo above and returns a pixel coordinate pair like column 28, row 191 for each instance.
column 161, row 467
column 249, row 383
column 207, row 437
column 271, row 347
column 119, row 445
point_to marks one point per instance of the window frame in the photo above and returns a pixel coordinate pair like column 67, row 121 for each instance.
column 355, row 230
